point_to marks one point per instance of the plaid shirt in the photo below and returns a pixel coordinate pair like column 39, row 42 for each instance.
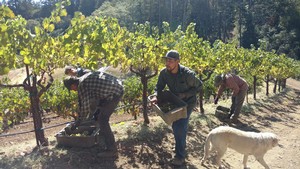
column 97, row 86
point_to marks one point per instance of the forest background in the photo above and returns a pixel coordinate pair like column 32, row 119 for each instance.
column 274, row 23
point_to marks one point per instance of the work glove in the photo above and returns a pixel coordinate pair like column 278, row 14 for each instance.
column 153, row 100
column 95, row 115
column 75, row 124
column 216, row 100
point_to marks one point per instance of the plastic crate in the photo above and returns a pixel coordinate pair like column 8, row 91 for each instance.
column 77, row 141
column 224, row 109
column 222, row 112
column 221, row 115
column 179, row 112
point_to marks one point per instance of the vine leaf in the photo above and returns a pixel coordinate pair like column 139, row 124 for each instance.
column 26, row 60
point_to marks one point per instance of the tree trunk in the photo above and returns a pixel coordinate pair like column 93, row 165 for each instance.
column 240, row 25
column 144, row 80
column 201, row 101
column 159, row 14
column 267, row 85
column 254, row 87
column 279, row 85
column 37, row 120
column 275, row 86
column 283, row 83
column 35, row 110
column 185, row 14
column 171, row 13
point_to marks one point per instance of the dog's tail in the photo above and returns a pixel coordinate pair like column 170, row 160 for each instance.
column 207, row 147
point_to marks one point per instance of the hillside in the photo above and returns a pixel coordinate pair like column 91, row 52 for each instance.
column 152, row 146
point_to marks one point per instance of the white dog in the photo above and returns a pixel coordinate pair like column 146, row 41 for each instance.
column 247, row 143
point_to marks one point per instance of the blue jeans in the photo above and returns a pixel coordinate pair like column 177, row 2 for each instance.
column 180, row 128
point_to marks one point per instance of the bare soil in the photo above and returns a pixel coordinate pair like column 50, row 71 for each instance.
column 152, row 146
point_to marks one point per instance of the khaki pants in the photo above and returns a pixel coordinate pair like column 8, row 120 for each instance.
column 237, row 104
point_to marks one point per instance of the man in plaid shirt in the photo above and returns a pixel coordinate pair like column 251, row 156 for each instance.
column 106, row 91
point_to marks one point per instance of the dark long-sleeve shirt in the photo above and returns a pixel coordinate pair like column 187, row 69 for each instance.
column 184, row 81
column 98, row 86
column 233, row 82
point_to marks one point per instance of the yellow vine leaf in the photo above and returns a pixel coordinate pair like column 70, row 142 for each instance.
column 37, row 30
column 51, row 27
column 80, row 60
column 26, row 61
column 63, row 12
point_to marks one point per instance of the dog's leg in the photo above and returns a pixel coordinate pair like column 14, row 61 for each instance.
column 206, row 154
column 261, row 160
column 245, row 161
column 220, row 153
column 206, row 149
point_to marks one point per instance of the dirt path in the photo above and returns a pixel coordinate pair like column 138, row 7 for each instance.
column 285, row 156
column 152, row 147
column 285, row 123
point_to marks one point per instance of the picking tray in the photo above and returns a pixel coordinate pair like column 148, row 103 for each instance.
column 77, row 141
column 222, row 112
column 180, row 110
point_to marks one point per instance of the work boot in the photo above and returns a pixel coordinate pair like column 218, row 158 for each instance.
column 178, row 162
column 233, row 120
column 230, row 114
column 108, row 154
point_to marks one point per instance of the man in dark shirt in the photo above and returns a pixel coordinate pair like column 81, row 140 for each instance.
column 239, row 89
column 182, row 82
column 107, row 90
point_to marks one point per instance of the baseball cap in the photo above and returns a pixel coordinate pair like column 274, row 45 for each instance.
column 172, row 54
